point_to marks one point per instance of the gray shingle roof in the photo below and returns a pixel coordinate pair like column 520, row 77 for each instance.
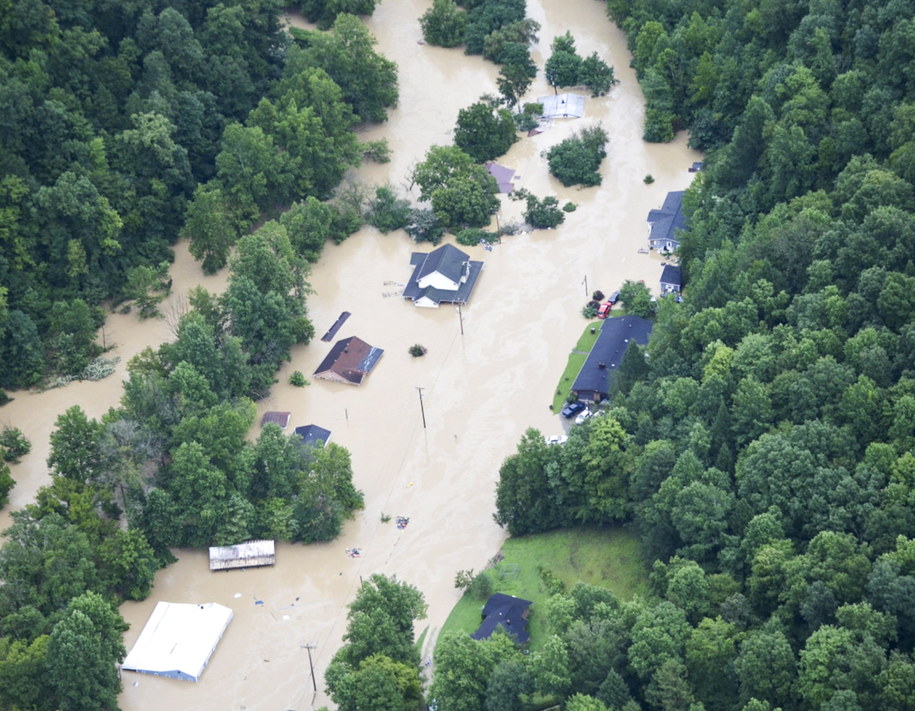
column 668, row 219
column 608, row 350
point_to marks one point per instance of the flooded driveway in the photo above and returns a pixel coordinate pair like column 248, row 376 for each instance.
column 479, row 390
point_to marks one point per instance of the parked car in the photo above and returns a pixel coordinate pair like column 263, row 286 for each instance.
column 583, row 416
column 572, row 409
column 604, row 310
column 555, row 439
column 614, row 297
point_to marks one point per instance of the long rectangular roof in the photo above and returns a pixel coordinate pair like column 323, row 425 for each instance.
column 178, row 639
column 597, row 373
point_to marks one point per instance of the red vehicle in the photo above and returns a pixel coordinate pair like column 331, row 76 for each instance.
column 604, row 310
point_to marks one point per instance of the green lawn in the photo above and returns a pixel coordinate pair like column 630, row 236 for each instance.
column 610, row 558
column 576, row 360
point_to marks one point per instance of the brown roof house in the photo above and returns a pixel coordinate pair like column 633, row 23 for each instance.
column 349, row 361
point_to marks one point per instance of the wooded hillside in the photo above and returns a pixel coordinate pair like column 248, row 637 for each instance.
column 766, row 453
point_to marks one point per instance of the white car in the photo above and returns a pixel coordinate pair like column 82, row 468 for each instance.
column 555, row 439
column 583, row 416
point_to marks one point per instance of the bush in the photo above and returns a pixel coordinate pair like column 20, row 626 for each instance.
column 474, row 235
column 589, row 311
column 99, row 368
column 569, row 207
column 597, row 296
column 481, row 587
column 444, row 24
column 424, row 226
column 525, row 122
column 6, row 484
column 463, row 579
column 388, row 212
column 377, row 151
column 649, row 179
column 417, row 350
column 298, row 379
column 14, row 444
column 541, row 214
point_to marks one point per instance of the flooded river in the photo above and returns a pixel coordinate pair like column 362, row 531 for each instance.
column 479, row 390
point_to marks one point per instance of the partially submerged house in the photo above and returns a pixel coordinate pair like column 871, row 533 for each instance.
column 665, row 223
column 508, row 612
column 178, row 640
column 502, row 175
column 595, row 379
column 444, row 275
column 562, row 106
column 349, row 361
column 671, row 279
column 250, row 554
column 312, row 434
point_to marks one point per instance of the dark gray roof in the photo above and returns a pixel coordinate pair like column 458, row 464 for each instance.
column 670, row 218
column 611, row 344
column 350, row 358
column 312, row 434
column 420, row 261
column 447, row 260
column 508, row 612
column 671, row 275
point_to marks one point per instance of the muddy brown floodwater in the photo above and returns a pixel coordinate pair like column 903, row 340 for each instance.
column 480, row 390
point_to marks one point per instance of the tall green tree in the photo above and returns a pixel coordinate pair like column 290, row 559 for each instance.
column 83, row 650
column 484, row 131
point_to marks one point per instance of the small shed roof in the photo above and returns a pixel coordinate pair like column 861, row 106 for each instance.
column 276, row 418
column 312, row 434
column 671, row 275
column 178, row 639
column 563, row 106
column 508, row 612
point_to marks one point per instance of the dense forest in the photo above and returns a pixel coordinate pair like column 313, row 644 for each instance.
column 124, row 126
column 764, row 444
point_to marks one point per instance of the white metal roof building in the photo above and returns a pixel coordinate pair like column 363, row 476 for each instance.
column 243, row 555
column 178, row 640
column 563, row 106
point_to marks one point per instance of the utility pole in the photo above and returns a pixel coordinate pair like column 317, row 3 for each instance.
column 461, row 317
column 585, row 282
column 314, row 684
column 422, row 411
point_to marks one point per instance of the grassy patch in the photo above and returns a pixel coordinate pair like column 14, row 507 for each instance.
column 610, row 558
column 576, row 360
column 421, row 640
